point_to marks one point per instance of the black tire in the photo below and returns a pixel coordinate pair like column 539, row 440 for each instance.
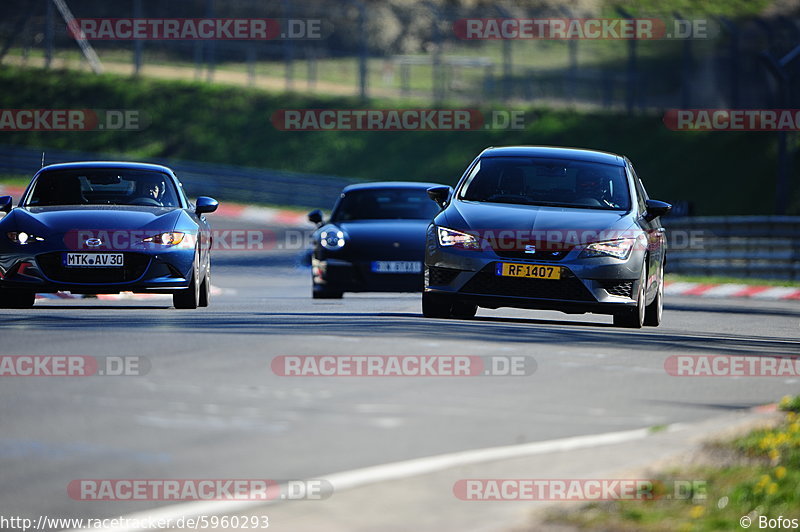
column 190, row 297
column 326, row 294
column 634, row 318
column 436, row 305
column 655, row 310
column 463, row 311
column 11, row 298
column 205, row 291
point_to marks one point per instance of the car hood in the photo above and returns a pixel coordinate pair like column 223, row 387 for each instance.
column 526, row 219
column 61, row 220
column 408, row 235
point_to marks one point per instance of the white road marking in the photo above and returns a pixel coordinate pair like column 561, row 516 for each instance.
column 393, row 471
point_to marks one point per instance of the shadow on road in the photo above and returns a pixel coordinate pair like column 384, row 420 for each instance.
column 399, row 325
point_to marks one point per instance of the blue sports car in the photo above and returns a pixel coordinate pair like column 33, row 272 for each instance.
column 105, row 228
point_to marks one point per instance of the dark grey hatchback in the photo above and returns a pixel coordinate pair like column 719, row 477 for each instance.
column 547, row 228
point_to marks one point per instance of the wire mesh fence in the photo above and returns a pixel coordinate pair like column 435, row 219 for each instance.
column 432, row 52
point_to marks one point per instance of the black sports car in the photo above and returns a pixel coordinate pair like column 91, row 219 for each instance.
column 374, row 240
column 105, row 227
column 547, row 228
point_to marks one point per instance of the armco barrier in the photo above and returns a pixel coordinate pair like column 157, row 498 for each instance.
column 223, row 182
column 764, row 247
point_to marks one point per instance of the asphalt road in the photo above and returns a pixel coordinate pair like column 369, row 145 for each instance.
column 210, row 406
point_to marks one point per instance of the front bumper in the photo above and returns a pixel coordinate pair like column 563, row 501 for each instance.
column 357, row 276
column 43, row 272
column 601, row 285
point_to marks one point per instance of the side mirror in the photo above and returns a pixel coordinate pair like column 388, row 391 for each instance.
column 5, row 203
column 656, row 208
column 440, row 195
column 205, row 204
column 315, row 217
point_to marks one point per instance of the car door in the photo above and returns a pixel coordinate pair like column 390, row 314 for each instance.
column 656, row 237
column 204, row 237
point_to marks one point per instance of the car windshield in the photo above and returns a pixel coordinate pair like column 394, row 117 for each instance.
column 101, row 186
column 385, row 204
column 547, row 182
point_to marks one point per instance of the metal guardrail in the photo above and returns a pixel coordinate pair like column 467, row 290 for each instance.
column 223, row 182
column 763, row 247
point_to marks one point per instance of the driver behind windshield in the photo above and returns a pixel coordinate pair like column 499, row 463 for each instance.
column 594, row 184
column 547, row 182
column 153, row 190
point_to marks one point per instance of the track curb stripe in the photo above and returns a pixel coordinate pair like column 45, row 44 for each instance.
column 722, row 290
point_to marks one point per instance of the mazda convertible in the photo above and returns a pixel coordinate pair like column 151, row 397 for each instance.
column 103, row 228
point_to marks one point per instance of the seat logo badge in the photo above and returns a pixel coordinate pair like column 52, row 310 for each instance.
column 94, row 242
column 530, row 249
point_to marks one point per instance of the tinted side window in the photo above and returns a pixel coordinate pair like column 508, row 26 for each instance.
column 641, row 194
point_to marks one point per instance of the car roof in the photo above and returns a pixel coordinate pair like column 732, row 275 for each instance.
column 106, row 164
column 390, row 184
column 554, row 152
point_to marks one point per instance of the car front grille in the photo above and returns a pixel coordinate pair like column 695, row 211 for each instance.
column 441, row 276
column 566, row 288
column 616, row 287
column 540, row 255
column 52, row 266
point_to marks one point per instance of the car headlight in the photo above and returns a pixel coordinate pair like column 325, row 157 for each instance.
column 172, row 238
column 21, row 237
column 450, row 237
column 332, row 239
column 619, row 249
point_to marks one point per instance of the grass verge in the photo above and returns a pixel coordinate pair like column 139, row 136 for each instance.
column 731, row 173
column 758, row 477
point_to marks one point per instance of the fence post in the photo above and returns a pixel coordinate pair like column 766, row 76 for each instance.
column 49, row 31
column 572, row 47
column 437, row 81
column 288, row 47
column 362, row 52
column 251, row 65
column 138, row 44
column 311, row 66
column 212, row 45
column 630, row 96
column 508, row 60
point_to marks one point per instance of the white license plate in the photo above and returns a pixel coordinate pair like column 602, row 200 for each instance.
column 396, row 266
column 94, row 260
